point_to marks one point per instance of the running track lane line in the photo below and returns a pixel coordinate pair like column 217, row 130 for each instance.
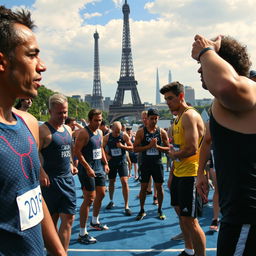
column 133, row 250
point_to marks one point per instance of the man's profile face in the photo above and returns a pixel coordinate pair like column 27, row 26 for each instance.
column 24, row 67
column 152, row 120
column 202, row 78
column 172, row 101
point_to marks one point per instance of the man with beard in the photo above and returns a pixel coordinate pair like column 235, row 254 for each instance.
column 224, row 69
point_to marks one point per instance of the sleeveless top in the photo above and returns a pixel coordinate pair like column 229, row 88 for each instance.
column 185, row 167
column 57, row 154
column 20, row 194
column 235, row 163
column 92, row 152
column 152, row 155
column 117, row 154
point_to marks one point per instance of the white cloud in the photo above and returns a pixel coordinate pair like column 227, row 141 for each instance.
column 91, row 15
column 118, row 3
column 67, row 42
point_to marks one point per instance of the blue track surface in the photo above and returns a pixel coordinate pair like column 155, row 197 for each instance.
column 126, row 236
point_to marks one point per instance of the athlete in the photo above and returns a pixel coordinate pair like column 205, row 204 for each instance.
column 149, row 140
column 57, row 181
column 224, row 69
column 187, row 134
column 116, row 144
column 24, row 216
column 93, row 166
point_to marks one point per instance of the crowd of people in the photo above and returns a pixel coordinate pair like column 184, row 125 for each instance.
column 37, row 188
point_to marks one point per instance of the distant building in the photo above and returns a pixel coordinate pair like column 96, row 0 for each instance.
column 169, row 77
column 106, row 103
column 203, row 102
column 158, row 97
column 88, row 98
column 78, row 97
column 190, row 95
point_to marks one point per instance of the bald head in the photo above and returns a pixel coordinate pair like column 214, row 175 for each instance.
column 116, row 128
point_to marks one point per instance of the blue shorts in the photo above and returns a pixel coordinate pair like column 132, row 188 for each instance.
column 60, row 196
column 120, row 168
column 90, row 183
column 151, row 169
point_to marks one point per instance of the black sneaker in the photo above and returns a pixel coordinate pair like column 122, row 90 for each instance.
column 214, row 225
column 110, row 205
column 141, row 215
column 99, row 226
column 161, row 215
column 86, row 239
column 183, row 253
column 127, row 212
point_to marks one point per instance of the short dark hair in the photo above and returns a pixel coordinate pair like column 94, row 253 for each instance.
column 235, row 54
column 94, row 112
column 9, row 38
column 69, row 120
column 175, row 87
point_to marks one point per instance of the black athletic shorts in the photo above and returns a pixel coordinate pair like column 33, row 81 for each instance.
column 120, row 168
column 236, row 239
column 183, row 194
column 151, row 169
column 90, row 183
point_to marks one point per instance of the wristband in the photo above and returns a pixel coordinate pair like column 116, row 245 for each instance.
column 204, row 51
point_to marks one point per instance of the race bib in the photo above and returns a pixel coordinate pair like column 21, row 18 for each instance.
column 30, row 208
column 116, row 152
column 152, row 152
column 97, row 154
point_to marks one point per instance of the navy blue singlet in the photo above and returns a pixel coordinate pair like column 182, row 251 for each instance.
column 92, row 151
column 151, row 155
column 117, row 154
column 57, row 153
column 235, row 163
column 19, row 173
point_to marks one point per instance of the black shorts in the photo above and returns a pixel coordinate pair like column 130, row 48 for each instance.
column 184, row 195
column 90, row 183
column 120, row 168
column 236, row 240
column 133, row 157
column 151, row 169
column 60, row 196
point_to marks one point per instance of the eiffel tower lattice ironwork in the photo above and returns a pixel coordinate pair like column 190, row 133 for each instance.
column 97, row 99
column 127, row 80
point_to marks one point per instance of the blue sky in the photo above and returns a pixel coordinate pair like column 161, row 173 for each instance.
column 162, row 33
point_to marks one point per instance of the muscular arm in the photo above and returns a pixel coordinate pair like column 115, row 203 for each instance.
column 234, row 92
column 165, row 140
column 128, row 142
column 105, row 141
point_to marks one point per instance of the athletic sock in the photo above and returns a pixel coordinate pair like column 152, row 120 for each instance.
column 95, row 220
column 83, row 231
column 190, row 251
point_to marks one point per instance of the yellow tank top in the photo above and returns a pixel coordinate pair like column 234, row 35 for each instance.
column 185, row 167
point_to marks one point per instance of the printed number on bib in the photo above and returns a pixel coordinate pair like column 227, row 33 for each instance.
column 97, row 154
column 116, row 152
column 30, row 208
column 152, row 152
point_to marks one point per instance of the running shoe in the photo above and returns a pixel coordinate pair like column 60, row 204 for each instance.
column 127, row 212
column 86, row 239
column 141, row 215
column 183, row 253
column 111, row 205
column 214, row 225
column 155, row 201
column 178, row 237
column 161, row 215
column 99, row 226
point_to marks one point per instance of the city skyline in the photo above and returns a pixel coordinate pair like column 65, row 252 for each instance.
column 162, row 35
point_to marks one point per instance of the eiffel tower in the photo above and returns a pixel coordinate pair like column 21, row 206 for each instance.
column 97, row 99
column 127, row 80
